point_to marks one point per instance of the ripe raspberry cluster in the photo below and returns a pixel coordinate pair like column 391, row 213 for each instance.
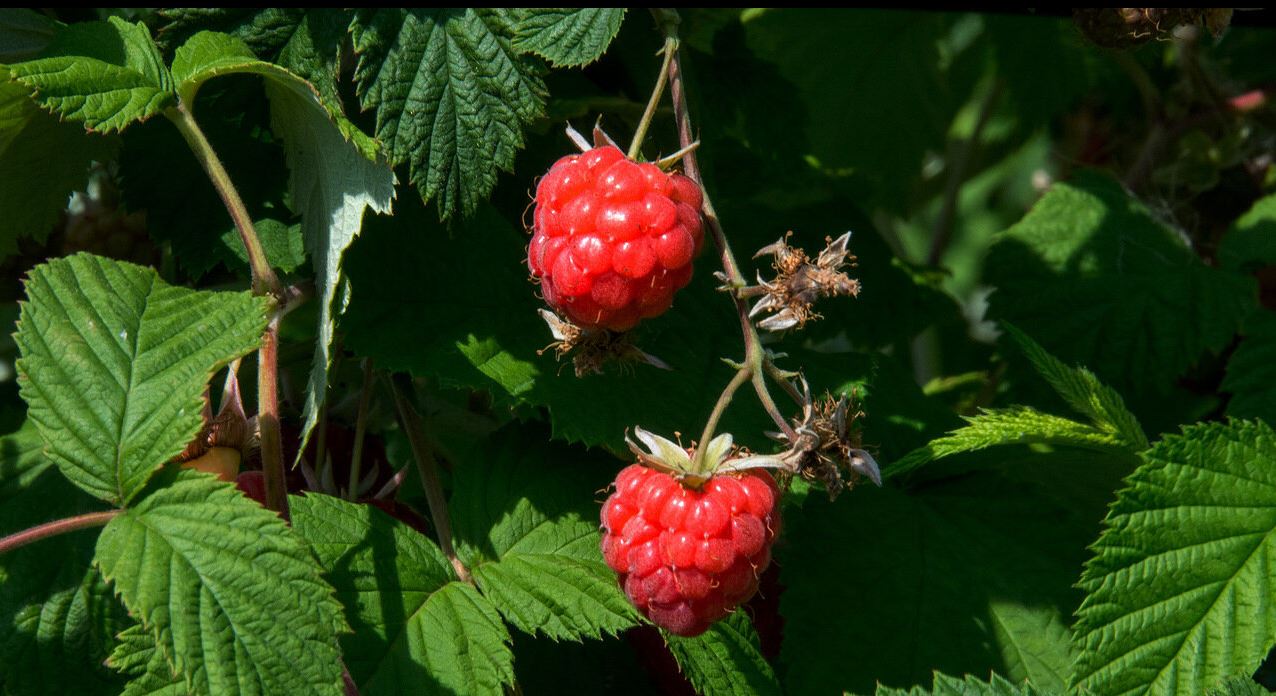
column 687, row 557
column 613, row 239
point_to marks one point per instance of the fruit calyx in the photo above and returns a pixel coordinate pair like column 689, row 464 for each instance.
column 694, row 466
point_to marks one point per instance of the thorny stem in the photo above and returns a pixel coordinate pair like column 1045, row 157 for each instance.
column 428, row 468
column 264, row 282
column 54, row 528
column 272, row 449
column 635, row 146
column 360, row 430
column 756, row 360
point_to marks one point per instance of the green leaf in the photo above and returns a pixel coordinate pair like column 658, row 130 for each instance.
column 283, row 243
column 233, row 598
column 150, row 674
column 417, row 629
column 452, row 96
column 1083, row 392
column 945, row 685
column 527, row 528
column 474, row 324
column 24, row 33
column 57, row 618
column 1251, row 372
column 726, row 660
column 104, row 74
column 34, row 140
column 1018, row 425
column 1239, row 686
column 568, row 36
column 114, row 364
column 303, row 41
column 968, row 574
column 842, row 61
column 1250, row 243
column 1098, row 281
column 337, row 174
column 1178, row 591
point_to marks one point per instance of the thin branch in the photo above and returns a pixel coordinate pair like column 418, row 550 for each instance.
column 755, row 356
column 54, row 528
column 428, row 468
column 264, row 279
column 635, row 147
column 360, row 430
column 272, row 451
column 959, row 165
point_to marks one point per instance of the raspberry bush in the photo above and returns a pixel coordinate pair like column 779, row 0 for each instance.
column 360, row 351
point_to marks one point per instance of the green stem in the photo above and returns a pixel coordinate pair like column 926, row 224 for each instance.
column 428, row 468
column 54, row 528
column 741, row 376
column 264, row 279
column 360, row 430
column 635, row 147
column 755, row 356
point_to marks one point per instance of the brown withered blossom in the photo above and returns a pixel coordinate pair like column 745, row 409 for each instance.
column 828, row 444
column 592, row 349
column 800, row 283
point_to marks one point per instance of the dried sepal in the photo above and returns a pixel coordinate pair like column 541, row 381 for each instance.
column 230, row 428
column 800, row 282
column 828, row 448
column 592, row 349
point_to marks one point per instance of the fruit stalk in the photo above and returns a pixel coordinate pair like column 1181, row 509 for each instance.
column 428, row 469
column 756, row 363
column 54, row 528
column 635, row 147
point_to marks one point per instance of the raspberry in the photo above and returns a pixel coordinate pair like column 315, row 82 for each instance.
column 686, row 557
column 612, row 239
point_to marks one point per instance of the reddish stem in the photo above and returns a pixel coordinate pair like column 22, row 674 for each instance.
column 56, row 527
column 272, row 451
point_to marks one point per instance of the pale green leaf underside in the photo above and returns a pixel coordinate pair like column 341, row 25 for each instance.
column 416, row 628
column 945, row 685
column 105, row 74
column 114, row 364
column 726, row 660
column 336, row 175
column 1018, row 425
column 568, row 36
column 1179, row 590
column 452, row 96
column 233, row 598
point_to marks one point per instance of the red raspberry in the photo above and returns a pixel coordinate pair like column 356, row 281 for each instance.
column 687, row 557
column 612, row 239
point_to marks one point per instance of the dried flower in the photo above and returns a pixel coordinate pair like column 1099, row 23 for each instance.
column 799, row 283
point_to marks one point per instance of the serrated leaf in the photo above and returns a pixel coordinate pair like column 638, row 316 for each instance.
column 233, row 598
column 568, row 36
column 34, row 140
column 150, row 674
column 1098, row 281
column 968, row 574
column 337, row 174
column 1251, row 372
column 105, row 74
column 1250, row 243
column 1178, row 591
column 114, row 364
column 527, row 528
column 417, row 629
column 303, row 41
column 1018, row 425
column 475, row 325
column 284, row 244
column 57, row 619
column 452, row 96
column 726, row 660
column 945, row 685
column 1083, row 392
